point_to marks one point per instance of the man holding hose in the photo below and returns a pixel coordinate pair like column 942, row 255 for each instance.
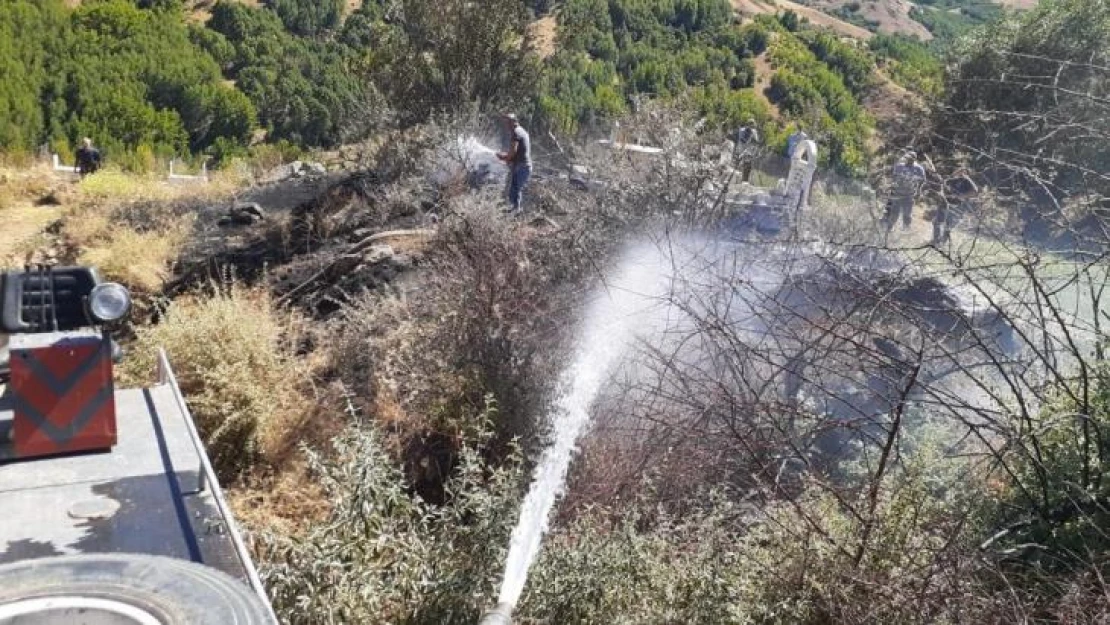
column 519, row 160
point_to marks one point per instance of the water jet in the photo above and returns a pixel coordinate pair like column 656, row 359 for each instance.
column 627, row 306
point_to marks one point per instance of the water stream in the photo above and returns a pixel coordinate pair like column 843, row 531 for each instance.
column 614, row 317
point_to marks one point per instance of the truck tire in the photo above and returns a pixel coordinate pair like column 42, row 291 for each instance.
column 124, row 590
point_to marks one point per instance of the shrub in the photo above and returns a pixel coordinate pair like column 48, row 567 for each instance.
column 641, row 566
column 910, row 63
column 819, row 93
column 818, row 557
column 385, row 555
column 245, row 389
column 474, row 330
column 1048, row 63
column 1058, row 504
column 140, row 260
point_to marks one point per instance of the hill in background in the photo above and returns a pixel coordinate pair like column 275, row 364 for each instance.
column 925, row 20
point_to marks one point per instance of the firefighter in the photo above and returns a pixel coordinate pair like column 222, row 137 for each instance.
column 959, row 195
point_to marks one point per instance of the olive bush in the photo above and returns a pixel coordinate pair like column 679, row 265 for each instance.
column 384, row 555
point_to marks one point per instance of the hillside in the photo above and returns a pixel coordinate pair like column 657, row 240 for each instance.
column 210, row 80
column 660, row 393
column 925, row 19
column 885, row 16
column 815, row 16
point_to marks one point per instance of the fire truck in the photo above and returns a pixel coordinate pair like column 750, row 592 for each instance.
column 110, row 512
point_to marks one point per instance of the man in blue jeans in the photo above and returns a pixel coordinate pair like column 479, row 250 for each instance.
column 519, row 160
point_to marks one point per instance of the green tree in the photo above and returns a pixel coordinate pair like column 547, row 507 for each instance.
column 126, row 75
column 448, row 54
column 910, row 63
column 26, row 66
column 216, row 112
column 790, row 21
column 308, row 17
column 1030, row 94
column 304, row 91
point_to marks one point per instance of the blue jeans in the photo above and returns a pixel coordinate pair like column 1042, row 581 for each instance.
column 516, row 187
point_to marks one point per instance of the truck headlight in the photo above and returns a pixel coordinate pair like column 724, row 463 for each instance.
column 109, row 302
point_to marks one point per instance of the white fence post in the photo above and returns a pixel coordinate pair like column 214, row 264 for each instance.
column 203, row 177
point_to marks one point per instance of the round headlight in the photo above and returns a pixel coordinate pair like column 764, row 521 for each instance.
column 109, row 302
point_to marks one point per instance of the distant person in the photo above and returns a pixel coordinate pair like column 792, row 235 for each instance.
column 519, row 160
column 794, row 140
column 908, row 178
column 934, row 182
column 747, row 145
column 958, row 199
column 88, row 158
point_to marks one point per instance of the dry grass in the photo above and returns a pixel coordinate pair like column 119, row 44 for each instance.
column 287, row 503
column 120, row 186
column 248, row 392
column 139, row 255
column 21, row 220
column 20, row 232
column 20, row 184
column 141, row 260
column 116, row 185
column 92, row 230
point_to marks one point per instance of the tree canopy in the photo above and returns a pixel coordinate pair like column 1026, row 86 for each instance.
column 125, row 76
column 1028, row 96
column 138, row 73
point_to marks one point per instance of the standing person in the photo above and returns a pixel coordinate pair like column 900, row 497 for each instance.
column 793, row 140
column 959, row 195
column 909, row 177
column 519, row 160
column 747, row 144
column 88, row 158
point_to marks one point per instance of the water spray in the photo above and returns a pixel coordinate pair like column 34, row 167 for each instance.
column 614, row 317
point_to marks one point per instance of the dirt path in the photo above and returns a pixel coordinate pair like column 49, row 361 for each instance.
column 23, row 223
column 763, row 74
column 545, row 32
